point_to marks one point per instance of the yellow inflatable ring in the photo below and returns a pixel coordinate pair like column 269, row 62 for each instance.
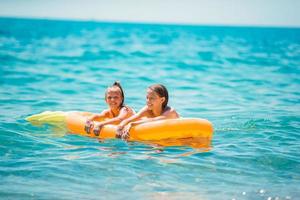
column 171, row 132
column 193, row 132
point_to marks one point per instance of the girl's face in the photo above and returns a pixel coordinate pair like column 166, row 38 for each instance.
column 153, row 100
column 113, row 98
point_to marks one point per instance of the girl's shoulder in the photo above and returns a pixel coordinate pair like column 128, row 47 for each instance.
column 170, row 111
column 127, row 109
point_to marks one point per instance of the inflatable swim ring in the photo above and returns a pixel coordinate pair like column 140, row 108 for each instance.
column 193, row 132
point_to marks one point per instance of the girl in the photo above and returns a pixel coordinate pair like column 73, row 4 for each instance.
column 116, row 112
column 156, row 109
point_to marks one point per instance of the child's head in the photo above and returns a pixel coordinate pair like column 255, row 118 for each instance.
column 157, row 95
column 114, row 95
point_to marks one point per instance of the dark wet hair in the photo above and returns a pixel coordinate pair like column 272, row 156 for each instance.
column 118, row 85
column 161, row 91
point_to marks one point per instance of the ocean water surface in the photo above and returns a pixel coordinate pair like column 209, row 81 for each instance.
column 246, row 81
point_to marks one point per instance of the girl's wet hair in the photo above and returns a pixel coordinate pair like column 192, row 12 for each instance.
column 118, row 85
column 161, row 91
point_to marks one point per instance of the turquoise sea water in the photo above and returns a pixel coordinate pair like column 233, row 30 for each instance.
column 244, row 80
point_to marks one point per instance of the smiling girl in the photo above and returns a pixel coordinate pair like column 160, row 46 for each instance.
column 116, row 112
column 156, row 109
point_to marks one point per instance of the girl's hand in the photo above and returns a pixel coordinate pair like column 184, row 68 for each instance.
column 119, row 131
column 125, row 132
column 97, row 129
column 88, row 126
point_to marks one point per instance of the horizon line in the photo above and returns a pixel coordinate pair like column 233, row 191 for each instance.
column 149, row 22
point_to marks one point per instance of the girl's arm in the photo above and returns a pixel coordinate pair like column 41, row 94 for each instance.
column 168, row 114
column 122, row 115
column 103, row 114
column 148, row 120
column 89, row 124
column 135, row 117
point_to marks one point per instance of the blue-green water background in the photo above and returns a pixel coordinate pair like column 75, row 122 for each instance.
column 244, row 80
